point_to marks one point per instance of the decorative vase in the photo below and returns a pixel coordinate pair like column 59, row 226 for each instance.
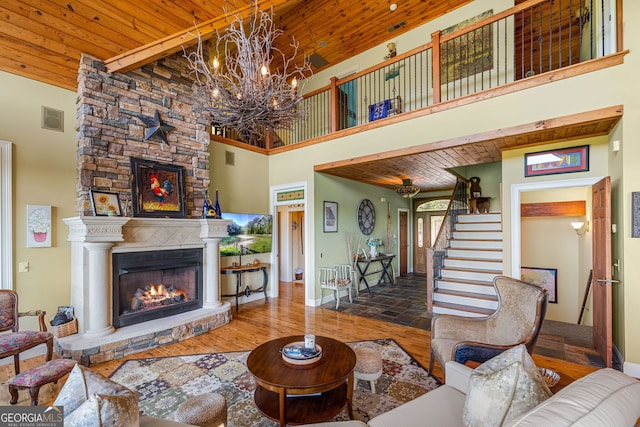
column 216, row 207
column 373, row 251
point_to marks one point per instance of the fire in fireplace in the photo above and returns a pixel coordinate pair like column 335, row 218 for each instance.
column 154, row 284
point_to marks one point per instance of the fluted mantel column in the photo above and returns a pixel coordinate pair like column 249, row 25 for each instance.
column 91, row 240
column 211, row 231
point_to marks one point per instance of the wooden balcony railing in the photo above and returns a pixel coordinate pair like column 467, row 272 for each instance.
column 529, row 39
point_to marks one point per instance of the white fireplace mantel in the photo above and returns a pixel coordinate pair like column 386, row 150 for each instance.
column 94, row 239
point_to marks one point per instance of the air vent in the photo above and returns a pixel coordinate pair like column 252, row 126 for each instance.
column 317, row 61
column 397, row 26
column 229, row 158
column 52, row 119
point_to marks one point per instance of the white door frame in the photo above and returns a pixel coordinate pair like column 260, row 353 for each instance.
column 516, row 190
column 274, row 203
column 6, row 218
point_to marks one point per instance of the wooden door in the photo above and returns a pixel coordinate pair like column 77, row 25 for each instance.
column 602, row 306
column 403, row 244
column 420, row 241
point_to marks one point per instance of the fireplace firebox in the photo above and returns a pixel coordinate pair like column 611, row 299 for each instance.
column 154, row 284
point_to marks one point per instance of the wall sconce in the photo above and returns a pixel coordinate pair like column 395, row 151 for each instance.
column 580, row 227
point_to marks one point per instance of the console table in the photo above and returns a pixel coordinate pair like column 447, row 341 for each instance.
column 248, row 268
column 363, row 265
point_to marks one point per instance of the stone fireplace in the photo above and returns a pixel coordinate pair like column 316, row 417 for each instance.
column 110, row 109
column 96, row 241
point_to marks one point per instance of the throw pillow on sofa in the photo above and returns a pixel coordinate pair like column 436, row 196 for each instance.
column 503, row 388
column 89, row 399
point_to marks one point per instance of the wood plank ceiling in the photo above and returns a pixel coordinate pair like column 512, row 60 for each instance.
column 429, row 166
column 44, row 39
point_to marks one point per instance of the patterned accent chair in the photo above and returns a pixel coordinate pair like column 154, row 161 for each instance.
column 518, row 319
column 15, row 342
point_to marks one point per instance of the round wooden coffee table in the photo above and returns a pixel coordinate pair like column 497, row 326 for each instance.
column 303, row 394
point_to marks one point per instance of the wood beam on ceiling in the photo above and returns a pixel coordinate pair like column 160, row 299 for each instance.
column 161, row 48
column 612, row 114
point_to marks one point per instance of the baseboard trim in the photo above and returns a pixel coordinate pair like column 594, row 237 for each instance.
column 632, row 369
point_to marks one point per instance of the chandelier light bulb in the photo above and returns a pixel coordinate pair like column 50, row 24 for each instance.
column 264, row 70
column 216, row 92
column 294, row 83
column 216, row 63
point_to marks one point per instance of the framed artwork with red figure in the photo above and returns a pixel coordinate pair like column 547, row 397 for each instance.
column 157, row 189
column 566, row 160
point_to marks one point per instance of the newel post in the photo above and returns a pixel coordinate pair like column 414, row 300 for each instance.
column 430, row 279
column 437, row 66
column 334, row 104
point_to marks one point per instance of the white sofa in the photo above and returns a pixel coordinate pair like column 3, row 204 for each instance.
column 603, row 398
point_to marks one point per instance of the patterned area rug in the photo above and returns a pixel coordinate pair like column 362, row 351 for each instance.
column 165, row 382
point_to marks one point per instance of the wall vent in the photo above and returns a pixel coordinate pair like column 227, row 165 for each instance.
column 229, row 158
column 52, row 119
column 397, row 26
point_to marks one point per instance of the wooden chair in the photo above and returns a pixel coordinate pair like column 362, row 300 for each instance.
column 336, row 279
column 345, row 278
column 15, row 342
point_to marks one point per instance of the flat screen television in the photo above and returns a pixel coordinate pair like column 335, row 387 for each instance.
column 248, row 234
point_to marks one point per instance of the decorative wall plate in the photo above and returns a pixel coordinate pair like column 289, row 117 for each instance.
column 366, row 216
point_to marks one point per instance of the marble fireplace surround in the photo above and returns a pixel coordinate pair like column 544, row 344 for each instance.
column 93, row 241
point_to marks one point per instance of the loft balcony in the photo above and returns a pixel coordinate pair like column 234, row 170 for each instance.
column 528, row 45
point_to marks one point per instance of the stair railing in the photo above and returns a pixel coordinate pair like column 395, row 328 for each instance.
column 436, row 253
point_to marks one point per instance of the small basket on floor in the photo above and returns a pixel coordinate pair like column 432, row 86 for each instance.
column 69, row 328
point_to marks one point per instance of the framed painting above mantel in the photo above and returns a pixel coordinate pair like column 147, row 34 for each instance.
column 157, row 189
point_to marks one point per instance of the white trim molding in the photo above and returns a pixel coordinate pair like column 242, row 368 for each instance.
column 516, row 189
column 275, row 256
column 6, row 218
column 631, row 369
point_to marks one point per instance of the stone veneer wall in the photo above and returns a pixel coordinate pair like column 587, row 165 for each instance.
column 129, row 346
column 110, row 132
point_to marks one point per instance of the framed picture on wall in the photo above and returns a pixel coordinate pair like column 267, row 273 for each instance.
column 157, row 189
column 330, row 217
column 545, row 277
column 38, row 226
column 550, row 162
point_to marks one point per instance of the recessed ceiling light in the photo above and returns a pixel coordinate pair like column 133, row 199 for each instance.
column 322, row 43
column 393, row 7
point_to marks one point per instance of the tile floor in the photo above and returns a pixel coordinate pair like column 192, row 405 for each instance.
column 405, row 304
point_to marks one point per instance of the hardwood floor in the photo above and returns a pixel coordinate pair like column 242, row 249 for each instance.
column 259, row 321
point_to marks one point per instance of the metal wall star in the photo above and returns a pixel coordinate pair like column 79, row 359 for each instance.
column 156, row 127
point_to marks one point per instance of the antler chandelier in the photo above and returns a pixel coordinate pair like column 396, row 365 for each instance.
column 240, row 90
column 407, row 189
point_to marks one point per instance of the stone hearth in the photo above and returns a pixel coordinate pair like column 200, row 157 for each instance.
column 93, row 241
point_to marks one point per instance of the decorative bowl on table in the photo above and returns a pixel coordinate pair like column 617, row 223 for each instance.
column 296, row 353
column 550, row 377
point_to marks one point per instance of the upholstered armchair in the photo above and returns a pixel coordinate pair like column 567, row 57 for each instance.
column 15, row 342
column 518, row 319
